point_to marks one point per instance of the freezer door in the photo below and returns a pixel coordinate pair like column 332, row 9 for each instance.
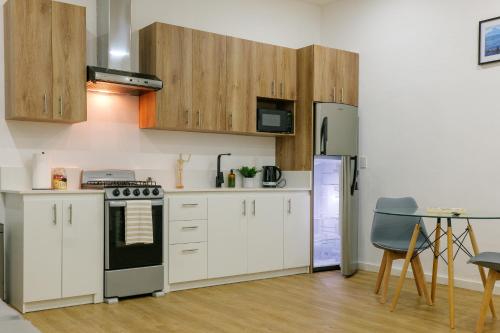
column 336, row 129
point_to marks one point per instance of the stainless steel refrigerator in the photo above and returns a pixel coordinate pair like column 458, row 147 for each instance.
column 335, row 204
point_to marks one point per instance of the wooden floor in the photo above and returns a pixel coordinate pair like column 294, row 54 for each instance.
column 321, row 302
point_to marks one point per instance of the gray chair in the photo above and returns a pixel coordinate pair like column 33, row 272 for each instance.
column 392, row 234
column 489, row 260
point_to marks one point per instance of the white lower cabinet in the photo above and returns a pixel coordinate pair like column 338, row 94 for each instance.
column 297, row 230
column 55, row 250
column 245, row 233
column 265, row 233
column 227, row 235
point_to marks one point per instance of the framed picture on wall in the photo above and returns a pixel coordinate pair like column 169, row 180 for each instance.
column 489, row 41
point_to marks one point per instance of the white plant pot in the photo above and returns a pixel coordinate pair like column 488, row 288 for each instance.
column 248, row 182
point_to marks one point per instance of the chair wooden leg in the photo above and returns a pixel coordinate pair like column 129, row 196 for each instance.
column 415, row 277
column 381, row 273
column 475, row 249
column 387, row 276
column 488, row 291
column 421, row 277
column 409, row 254
column 435, row 260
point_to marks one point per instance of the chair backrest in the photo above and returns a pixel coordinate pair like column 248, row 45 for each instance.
column 392, row 227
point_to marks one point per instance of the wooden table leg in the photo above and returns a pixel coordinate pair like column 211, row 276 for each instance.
column 475, row 249
column 451, row 291
column 409, row 255
column 435, row 260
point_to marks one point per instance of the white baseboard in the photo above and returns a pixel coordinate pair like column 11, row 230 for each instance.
column 442, row 279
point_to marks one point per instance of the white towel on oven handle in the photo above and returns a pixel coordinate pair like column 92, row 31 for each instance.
column 138, row 222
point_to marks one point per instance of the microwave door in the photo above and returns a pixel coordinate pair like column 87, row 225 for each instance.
column 336, row 129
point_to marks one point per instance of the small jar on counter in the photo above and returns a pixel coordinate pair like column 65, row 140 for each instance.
column 59, row 179
column 231, row 179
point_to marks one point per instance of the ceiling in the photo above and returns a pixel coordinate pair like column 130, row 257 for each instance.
column 319, row 2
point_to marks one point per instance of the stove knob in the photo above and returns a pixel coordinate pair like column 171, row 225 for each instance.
column 116, row 192
column 126, row 192
column 137, row 192
column 145, row 192
column 156, row 191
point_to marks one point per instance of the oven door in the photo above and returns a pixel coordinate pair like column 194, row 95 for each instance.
column 274, row 121
column 121, row 256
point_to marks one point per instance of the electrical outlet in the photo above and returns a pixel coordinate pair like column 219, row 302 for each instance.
column 363, row 162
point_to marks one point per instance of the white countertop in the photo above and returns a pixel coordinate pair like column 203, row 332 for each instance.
column 236, row 189
column 77, row 191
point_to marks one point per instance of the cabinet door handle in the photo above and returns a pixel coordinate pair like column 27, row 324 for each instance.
column 253, row 212
column 231, row 121
column 187, row 116
column 194, row 227
column 70, row 213
column 244, row 207
column 282, row 89
column 199, row 118
column 61, row 106
column 334, row 95
column 272, row 88
column 54, row 213
column 190, row 251
column 189, row 205
column 289, row 206
column 341, row 95
column 44, row 103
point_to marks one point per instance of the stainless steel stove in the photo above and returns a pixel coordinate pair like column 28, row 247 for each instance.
column 128, row 269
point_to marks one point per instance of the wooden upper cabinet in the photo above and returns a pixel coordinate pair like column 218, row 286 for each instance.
column 166, row 51
column 286, row 73
column 209, row 81
column 28, row 59
column 348, row 77
column 45, row 58
column 241, row 102
column 335, row 76
column 69, row 74
column 267, row 70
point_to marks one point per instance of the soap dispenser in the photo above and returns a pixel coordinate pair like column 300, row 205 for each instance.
column 231, row 179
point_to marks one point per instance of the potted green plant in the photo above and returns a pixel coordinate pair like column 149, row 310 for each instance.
column 248, row 174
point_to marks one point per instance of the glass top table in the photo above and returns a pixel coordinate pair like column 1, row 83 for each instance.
column 451, row 240
column 422, row 212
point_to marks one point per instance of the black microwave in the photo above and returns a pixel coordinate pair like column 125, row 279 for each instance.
column 274, row 121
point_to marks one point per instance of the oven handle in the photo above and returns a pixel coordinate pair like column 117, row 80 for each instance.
column 124, row 203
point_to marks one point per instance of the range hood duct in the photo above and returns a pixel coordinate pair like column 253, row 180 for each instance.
column 112, row 73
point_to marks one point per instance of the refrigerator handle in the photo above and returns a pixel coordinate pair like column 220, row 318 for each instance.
column 324, row 136
column 354, row 185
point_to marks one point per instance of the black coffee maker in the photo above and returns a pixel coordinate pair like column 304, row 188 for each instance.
column 271, row 176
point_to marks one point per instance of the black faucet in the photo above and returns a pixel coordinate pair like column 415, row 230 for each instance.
column 219, row 179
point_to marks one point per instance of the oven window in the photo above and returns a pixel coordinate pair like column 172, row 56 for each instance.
column 269, row 119
column 123, row 256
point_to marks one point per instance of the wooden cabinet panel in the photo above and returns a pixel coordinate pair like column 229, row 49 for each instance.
column 28, row 59
column 42, row 249
column 82, row 234
column 227, row 235
column 287, row 73
column 265, row 233
column 69, row 62
column 166, row 51
column 297, row 226
column 347, row 77
column 209, row 81
column 325, row 74
column 267, row 67
column 241, row 102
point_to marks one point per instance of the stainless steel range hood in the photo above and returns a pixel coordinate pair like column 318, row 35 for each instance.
column 113, row 53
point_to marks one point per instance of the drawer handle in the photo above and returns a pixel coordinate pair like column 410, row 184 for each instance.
column 190, row 228
column 190, row 251
column 190, row 205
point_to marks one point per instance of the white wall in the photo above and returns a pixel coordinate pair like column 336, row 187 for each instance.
column 430, row 116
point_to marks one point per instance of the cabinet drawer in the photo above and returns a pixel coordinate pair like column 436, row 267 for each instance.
column 181, row 232
column 188, row 208
column 187, row 262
